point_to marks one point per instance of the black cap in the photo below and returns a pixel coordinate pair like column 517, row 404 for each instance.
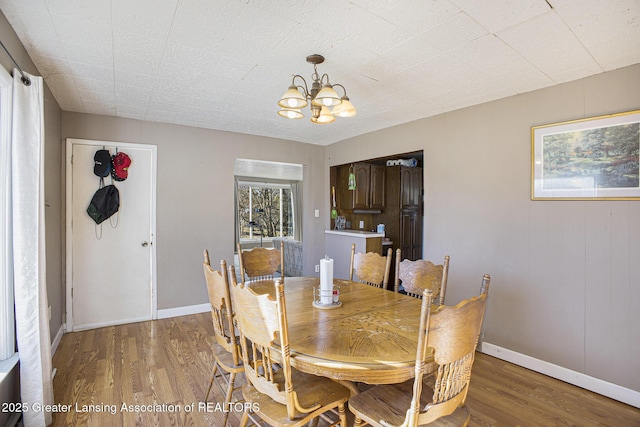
column 102, row 163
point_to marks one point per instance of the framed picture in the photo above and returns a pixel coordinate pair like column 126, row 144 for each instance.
column 588, row 159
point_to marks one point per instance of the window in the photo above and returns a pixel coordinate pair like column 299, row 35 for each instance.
column 265, row 210
column 268, row 201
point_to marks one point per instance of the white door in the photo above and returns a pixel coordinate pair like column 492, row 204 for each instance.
column 111, row 266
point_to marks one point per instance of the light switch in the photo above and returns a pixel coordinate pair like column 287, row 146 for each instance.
column 361, row 224
column 317, row 213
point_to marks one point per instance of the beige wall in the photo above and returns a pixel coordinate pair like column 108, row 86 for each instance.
column 565, row 274
column 195, row 194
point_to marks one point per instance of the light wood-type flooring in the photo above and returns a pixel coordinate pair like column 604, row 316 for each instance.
column 164, row 368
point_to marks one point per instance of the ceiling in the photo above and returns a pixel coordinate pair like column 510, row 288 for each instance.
column 223, row 64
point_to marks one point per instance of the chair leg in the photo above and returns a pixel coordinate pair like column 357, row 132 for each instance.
column 230, row 386
column 245, row 419
column 340, row 411
column 343, row 416
column 213, row 376
column 357, row 422
column 229, row 396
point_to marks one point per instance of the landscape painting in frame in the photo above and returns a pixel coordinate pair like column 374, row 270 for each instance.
column 595, row 158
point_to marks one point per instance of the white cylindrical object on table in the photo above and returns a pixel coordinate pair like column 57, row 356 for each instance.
column 326, row 280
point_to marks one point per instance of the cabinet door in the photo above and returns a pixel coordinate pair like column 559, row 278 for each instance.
column 345, row 196
column 411, row 187
column 406, row 188
column 407, row 231
column 416, row 243
column 377, row 186
column 416, row 187
column 411, row 235
column 361, row 194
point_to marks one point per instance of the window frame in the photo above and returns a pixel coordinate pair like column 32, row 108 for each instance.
column 294, row 186
column 7, row 310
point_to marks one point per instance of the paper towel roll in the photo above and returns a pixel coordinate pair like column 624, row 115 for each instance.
column 326, row 280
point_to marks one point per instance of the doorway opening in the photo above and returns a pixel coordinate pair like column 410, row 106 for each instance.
column 382, row 194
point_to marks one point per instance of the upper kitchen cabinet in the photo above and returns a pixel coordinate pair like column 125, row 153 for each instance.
column 377, row 182
column 369, row 193
column 410, row 187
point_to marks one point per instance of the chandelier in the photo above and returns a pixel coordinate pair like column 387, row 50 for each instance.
column 321, row 97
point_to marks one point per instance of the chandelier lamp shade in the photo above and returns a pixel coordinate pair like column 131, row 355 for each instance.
column 324, row 101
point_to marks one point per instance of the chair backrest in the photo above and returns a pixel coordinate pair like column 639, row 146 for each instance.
column 418, row 275
column 370, row 268
column 261, row 263
column 262, row 322
column 451, row 335
column 221, row 308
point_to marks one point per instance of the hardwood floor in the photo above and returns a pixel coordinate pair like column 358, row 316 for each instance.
column 503, row 394
column 164, row 367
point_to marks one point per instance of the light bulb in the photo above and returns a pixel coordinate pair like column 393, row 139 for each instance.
column 291, row 113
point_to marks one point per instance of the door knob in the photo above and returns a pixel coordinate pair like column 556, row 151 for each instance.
column 145, row 244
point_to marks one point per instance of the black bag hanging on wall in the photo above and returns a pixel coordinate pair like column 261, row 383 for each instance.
column 104, row 203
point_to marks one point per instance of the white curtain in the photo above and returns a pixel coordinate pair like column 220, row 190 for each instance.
column 32, row 323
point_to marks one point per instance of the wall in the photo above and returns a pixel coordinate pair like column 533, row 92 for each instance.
column 54, row 209
column 195, row 194
column 565, row 274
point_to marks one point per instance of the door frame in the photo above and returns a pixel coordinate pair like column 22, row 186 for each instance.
column 70, row 142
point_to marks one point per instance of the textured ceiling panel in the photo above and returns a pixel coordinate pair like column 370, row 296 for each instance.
column 223, row 65
column 609, row 30
column 557, row 52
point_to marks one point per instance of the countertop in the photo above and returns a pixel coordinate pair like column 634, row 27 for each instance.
column 359, row 233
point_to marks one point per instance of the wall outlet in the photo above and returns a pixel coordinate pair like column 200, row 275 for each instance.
column 317, row 268
column 361, row 224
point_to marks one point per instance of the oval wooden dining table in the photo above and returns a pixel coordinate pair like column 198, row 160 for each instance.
column 371, row 338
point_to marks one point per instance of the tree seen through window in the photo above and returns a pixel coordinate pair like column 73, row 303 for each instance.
column 265, row 211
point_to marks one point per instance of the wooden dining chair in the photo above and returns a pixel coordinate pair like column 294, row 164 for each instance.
column 281, row 395
column 261, row 263
column 418, row 275
column 451, row 333
column 226, row 350
column 370, row 268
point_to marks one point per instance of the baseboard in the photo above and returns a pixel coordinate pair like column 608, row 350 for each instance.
column 161, row 314
column 613, row 391
column 183, row 311
column 57, row 338
column 106, row 324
